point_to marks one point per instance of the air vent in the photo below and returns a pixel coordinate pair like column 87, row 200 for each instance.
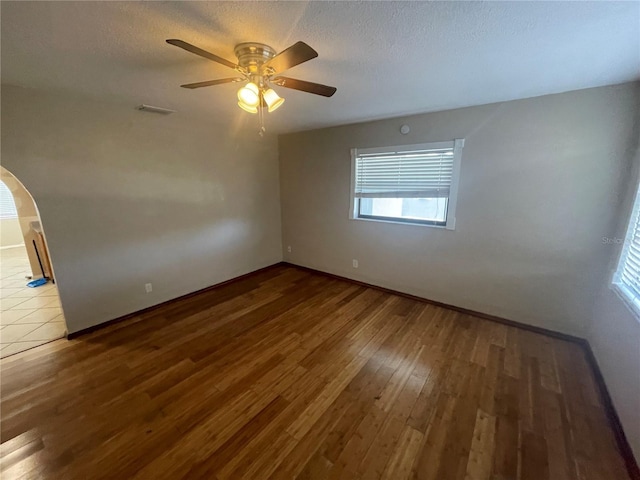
column 152, row 109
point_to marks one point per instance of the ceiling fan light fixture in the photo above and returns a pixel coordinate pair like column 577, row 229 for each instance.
column 257, row 64
column 272, row 99
column 249, row 95
column 247, row 108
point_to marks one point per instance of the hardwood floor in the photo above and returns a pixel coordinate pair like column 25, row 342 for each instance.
column 288, row 374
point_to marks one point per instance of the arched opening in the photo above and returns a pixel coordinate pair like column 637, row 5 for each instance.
column 31, row 310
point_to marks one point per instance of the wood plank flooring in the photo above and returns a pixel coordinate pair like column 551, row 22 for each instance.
column 288, row 374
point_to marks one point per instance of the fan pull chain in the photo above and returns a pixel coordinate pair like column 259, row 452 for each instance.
column 261, row 117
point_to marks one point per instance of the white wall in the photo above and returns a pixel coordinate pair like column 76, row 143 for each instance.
column 538, row 191
column 128, row 197
column 10, row 232
column 614, row 333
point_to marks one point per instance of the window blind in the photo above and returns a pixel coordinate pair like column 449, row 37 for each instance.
column 404, row 174
column 629, row 268
column 7, row 204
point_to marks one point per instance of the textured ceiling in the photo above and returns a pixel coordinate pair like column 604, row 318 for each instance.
column 385, row 58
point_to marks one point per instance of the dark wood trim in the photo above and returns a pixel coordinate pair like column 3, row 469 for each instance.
column 102, row 325
column 614, row 420
column 486, row 316
column 612, row 414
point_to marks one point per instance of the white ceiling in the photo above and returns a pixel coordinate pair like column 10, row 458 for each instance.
column 385, row 58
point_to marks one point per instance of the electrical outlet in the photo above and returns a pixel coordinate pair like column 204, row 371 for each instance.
column 355, row 263
column 148, row 287
column 289, row 249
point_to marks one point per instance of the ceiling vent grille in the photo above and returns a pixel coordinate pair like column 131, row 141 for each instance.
column 152, row 109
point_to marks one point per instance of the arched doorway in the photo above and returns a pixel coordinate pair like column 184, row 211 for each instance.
column 30, row 316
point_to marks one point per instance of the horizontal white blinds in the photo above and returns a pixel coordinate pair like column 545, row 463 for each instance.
column 404, row 174
column 629, row 270
column 7, row 204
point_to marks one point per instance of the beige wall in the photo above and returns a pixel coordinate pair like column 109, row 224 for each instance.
column 614, row 333
column 615, row 340
column 538, row 191
column 10, row 233
column 127, row 198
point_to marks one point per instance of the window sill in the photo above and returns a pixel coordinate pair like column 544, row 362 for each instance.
column 411, row 224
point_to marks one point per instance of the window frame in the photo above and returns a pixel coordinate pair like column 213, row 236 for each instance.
column 452, row 200
column 617, row 285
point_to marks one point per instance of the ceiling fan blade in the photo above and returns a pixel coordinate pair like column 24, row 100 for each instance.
column 296, row 54
column 304, row 86
column 203, row 53
column 210, row 83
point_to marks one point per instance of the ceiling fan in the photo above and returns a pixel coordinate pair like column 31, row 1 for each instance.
column 260, row 66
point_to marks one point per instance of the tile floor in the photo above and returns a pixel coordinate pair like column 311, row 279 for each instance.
column 29, row 316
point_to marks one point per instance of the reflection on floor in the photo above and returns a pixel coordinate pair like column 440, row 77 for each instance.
column 30, row 316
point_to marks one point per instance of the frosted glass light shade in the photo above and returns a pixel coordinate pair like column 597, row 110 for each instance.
column 249, row 95
column 272, row 99
column 247, row 108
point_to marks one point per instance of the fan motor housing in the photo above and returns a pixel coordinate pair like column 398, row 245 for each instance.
column 251, row 55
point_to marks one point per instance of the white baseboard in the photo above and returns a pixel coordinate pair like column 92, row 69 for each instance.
column 12, row 246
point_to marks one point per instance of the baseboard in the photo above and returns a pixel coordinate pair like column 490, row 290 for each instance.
column 108, row 323
column 621, row 439
column 612, row 414
column 486, row 316
column 12, row 246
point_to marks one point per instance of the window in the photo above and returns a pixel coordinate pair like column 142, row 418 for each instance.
column 414, row 184
column 7, row 205
column 626, row 280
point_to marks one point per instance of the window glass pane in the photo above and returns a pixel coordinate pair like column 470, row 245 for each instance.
column 7, row 205
column 627, row 277
column 422, row 209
